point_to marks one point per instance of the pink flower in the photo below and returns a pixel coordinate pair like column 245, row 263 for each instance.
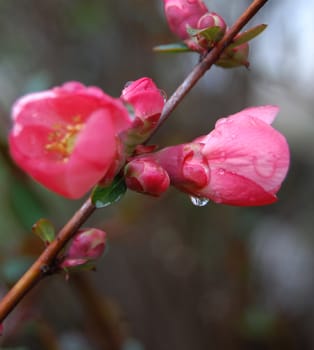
column 88, row 244
column 145, row 175
column 247, row 160
column 147, row 102
column 183, row 13
column 67, row 139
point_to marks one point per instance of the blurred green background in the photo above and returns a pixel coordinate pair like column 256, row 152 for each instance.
column 175, row 276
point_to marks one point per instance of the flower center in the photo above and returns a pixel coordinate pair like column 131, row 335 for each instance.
column 61, row 140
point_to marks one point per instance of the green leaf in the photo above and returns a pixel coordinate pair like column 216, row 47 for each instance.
column 104, row 196
column 45, row 230
column 247, row 35
column 172, row 48
column 211, row 34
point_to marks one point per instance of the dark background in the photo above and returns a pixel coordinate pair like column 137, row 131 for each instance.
column 175, row 276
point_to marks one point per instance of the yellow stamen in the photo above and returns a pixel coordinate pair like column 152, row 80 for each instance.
column 62, row 139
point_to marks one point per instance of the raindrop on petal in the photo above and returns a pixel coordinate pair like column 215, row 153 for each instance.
column 199, row 201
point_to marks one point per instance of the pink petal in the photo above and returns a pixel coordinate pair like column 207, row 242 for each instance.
column 229, row 188
column 248, row 147
column 94, row 152
column 63, row 104
column 266, row 113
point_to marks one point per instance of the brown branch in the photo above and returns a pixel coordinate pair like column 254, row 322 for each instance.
column 42, row 266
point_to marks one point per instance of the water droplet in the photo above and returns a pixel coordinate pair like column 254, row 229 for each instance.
column 128, row 83
column 221, row 171
column 264, row 167
column 163, row 94
column 199, row 201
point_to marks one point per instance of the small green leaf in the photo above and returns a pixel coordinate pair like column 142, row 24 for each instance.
column 45, row 230
column 247, row 35
column 211, row 34
column 172, row 48
column 104, row 196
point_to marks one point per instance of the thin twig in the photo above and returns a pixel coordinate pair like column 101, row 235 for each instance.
column 42, row 266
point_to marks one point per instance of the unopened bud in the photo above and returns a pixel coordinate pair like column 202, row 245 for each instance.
column 147, row 102
column 181, row 14
column 187, row 167
column 214, row 28
column 145, row 175
column 88, row 245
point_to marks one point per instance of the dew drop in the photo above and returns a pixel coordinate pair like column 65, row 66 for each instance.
column 221, row 171
column 199, row 201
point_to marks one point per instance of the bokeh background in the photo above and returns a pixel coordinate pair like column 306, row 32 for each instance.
column 175, row 276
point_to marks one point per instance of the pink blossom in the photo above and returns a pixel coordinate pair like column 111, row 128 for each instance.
column 145, row 175
column 247, row 160
column 183, row 13
column 88, row 244
column 66, row 138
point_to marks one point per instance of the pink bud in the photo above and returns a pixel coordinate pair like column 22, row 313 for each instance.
column 183, row 13
column 147, row 102
column 209, row 22
column 145, row 175
column 87, row 245
column 247, row 158
column 211, row 19
column 186, row 165
column 67, row 139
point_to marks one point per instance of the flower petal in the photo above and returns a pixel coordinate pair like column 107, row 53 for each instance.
column 249, row 147
column 229, row 188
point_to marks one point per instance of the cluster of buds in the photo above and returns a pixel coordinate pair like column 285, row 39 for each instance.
column 191, row 21
column 200, row 30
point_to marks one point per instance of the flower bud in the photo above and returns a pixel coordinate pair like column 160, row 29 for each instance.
column 186, row 165
column 214, row 26
column 145, row 175
column 242, row 162
column 211, row 19
column 87, row 245
column 183, row 13
column 147, row 102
